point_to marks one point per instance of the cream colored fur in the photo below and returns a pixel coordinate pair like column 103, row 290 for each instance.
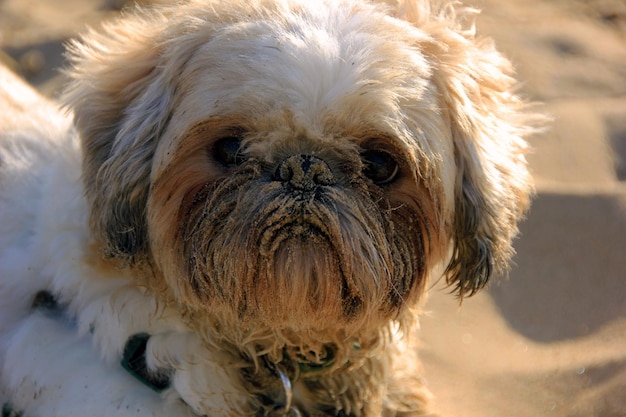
column 282, row 279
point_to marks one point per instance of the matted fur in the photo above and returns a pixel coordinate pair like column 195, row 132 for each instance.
column 287, row 260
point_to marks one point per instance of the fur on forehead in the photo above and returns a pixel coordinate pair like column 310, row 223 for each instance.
column 329, row 75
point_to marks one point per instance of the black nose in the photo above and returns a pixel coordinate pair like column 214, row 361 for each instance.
column 304, row 172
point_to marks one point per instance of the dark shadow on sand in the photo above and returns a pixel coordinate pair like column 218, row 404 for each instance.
column 571, row 260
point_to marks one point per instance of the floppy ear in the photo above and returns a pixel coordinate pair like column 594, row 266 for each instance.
column 120, row 98
column 493, row 187
column 488, row 125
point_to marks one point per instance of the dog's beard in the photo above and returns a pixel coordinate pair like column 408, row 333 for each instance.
column 332, row 257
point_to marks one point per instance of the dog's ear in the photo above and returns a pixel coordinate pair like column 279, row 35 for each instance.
column 488, row 123
column 120, row 98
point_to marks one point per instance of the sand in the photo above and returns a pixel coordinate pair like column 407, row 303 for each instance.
column 550, row 340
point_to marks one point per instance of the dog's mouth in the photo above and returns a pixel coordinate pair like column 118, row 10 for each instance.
column 303, row 258
column 293, row 227
column 295, row 248
column 300, row 238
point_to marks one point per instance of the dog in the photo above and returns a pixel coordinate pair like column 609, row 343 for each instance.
column 243, row 204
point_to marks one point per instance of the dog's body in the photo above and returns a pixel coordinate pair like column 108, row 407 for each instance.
column 246, row 208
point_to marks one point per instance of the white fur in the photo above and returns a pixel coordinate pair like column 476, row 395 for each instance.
column 68, row 365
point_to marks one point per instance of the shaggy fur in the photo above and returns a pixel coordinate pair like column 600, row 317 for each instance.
column 265, row 188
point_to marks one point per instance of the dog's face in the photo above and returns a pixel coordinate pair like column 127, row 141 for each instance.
column 299, row 164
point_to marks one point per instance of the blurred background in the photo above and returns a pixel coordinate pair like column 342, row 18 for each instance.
column 549, row 340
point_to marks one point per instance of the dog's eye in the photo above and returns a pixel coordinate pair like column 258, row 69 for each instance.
column 380, row 167
column 227, row 151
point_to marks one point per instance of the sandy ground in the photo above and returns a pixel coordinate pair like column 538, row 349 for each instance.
column 551, row 339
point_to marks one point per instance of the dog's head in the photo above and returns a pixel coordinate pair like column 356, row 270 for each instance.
column 303, row 164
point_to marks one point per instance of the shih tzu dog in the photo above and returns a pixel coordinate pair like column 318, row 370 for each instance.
column 242, row 206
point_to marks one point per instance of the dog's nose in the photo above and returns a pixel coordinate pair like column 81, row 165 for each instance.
column 304, row 172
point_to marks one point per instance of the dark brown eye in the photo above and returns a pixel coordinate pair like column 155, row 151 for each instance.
column 380, row 167
column 227, row 151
